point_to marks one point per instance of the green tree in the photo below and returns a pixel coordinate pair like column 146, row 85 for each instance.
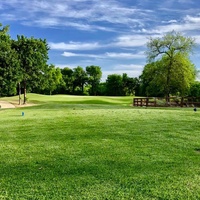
column 154, row 81
column 94, row 77
column 170, row 45
column 9, row 66
column 132, row 85
column 184, row 76
column 102, row 91
column 129, row 84
column 68, row 79
column 195, row 89
column 125, row 79
column 33, row 56
column 79, row 79
column 114, row 85
column 53, row 77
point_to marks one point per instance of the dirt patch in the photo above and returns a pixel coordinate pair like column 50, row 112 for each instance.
column 13, row 104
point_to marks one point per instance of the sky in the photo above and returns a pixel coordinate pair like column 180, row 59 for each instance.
column 111, row 34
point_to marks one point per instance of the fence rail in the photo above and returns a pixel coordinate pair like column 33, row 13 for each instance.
column 166, row 102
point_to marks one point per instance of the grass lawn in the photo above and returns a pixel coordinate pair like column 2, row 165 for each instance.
column 71, row 147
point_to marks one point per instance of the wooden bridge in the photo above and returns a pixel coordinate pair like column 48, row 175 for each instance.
column 167, row 102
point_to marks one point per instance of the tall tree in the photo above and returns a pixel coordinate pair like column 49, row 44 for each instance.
column 67, row 75
column 80, row 79
column 125, row 79
column 95, row 74
column 114, row 85
column 102, row 89
column 33, row 56
column 9, row 66
column 184, row 76
column 195, row 89
column 53, row 77
column 169, row 45
column 154, row 79
column 132, row 85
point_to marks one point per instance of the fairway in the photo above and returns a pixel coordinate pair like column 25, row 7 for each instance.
column 73, row 147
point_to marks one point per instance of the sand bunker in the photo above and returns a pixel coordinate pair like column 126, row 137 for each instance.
column 5, row 104
column 14, row 104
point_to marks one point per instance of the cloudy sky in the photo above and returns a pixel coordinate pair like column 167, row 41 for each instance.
column 109, row 33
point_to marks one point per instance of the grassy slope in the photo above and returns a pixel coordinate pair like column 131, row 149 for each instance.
column 82, row 151
column 72, row 99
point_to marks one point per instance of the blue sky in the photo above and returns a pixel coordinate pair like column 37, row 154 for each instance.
column 109, row 33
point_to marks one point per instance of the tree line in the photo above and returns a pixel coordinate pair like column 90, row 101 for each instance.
column 24, row 68
column 87, row 81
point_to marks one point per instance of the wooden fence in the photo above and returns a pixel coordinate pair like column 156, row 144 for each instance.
column 166, row 102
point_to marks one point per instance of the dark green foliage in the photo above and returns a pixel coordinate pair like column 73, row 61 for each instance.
column 130, row 85
column 9, row 65
column 94, row 77
column 80, row 78
column 195, row 89
column 67, row 75
column 22, row 61
column 33, row 56
column 152, row 79
column 114, row 85
column 102, row 89
column 121, row 85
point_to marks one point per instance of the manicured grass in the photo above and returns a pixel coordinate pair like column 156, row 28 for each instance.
column 72, row 99
column 103, row 150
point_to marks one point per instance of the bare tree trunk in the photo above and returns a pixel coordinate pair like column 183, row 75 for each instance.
column 19, row 94
column 24, row 91
column 168, row 80
column 82, row 88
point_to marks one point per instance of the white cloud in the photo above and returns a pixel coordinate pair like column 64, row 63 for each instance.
column 47, row 22
column 131, row 40
column 125, row 55
column 171, row 21
column 191, row 19
column 179, row 27
column 108, row 55
column 123, row 41
column 10, row 17
column 129, row 67
column 74, row 46
column 69, row 54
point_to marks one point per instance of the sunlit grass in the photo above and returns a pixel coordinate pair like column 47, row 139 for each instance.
column 98, row 151
column 35, row 98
